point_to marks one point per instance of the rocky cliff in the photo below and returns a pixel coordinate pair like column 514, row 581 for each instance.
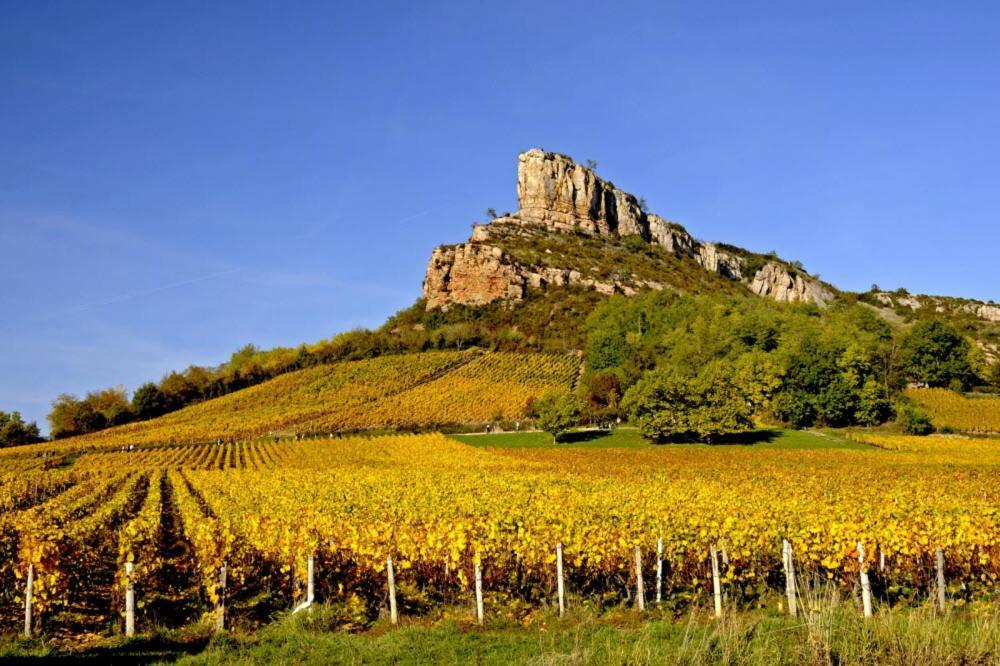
column 786, row 285
column 938, row 304
column 557, row 195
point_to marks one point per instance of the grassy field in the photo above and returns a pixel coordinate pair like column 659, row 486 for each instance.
column 834, row 633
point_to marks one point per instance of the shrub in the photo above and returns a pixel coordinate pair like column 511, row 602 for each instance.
column 913, row 420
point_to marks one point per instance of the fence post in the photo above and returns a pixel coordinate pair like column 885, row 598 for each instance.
column 716, row 583
column 640, row 592
column 28, row 594
column 789, row 563
column 866, row 586
column 659, row 568
column 129, row 600
column 941, row 588
column 220, row 610
column 559, row 578
column 391, row 573
column 479, row 589
column 311, row 584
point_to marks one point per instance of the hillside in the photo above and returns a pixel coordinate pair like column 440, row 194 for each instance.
column 577, row 238
column 412, row 391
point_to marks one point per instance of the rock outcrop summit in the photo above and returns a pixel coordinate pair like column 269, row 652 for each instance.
column 557, row 195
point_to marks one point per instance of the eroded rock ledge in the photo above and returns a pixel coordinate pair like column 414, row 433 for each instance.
column 559, row 195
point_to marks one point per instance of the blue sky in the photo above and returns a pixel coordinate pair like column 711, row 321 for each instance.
column 180, row 178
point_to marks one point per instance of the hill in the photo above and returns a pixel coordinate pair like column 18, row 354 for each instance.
column 576, row 235
column 411, row 391
column 529, row 281
column 509, row 256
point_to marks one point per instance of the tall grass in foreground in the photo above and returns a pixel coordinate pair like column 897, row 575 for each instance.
column 829, row 630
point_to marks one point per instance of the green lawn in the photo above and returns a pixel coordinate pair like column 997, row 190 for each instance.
column 630, row 438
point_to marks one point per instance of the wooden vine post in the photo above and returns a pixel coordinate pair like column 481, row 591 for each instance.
column 559, row 579
column 724, row 546
column 716, row 582
column 391, row 573
column 129, row 600
column 640, row 591
column 866, row 586
column 29, row 592
column 479, row 588
column 311, row 583
column 789, row 565
column 659, row 569
column 942, row 589
column 220, row 609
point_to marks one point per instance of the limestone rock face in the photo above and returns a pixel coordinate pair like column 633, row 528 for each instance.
column 719, row 261
column 671, row 236
column 986, row 311
column 907, row 301
column 775, row 281
column 559, row 195
column 471, row 274
column 477, row 274
column 555, row 191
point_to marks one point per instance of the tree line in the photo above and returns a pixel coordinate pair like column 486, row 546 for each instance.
column 718, row 363
column 709, row 367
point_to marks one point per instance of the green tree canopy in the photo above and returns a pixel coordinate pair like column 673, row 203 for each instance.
column 14, row 431
column 148, row 401
column 935, row 353
column 668, row 407
column 795, row 362
column 557, row 412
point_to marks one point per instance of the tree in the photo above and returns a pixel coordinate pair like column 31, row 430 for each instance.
column 817, row 387
column 112, row 404
column 63, row 416
column 935, row 353
column 603, row 393
column 758, row 376
column 873, row 404
column 14, row 431
column 557, row 412
column 148, row 401
column 592, row 165
column 98, row 410
column 912, row 419
column 178, row 391
column 669, row 407
column 993, row 375
column 606, row 348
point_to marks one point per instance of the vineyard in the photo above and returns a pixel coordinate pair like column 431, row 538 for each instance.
column 412, row 391
column 244, row 529
column 953, row 410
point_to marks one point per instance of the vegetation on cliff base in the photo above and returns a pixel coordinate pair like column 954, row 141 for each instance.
column 708, row 358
